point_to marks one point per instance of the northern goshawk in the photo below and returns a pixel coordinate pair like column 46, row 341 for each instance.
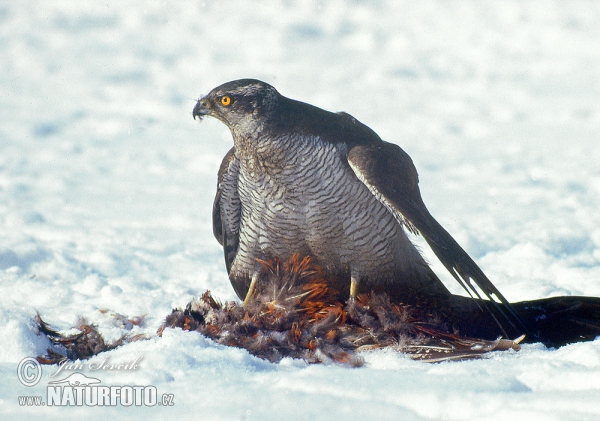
column 300, row 179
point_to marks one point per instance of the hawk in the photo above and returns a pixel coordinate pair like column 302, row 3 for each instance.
column 300, row 179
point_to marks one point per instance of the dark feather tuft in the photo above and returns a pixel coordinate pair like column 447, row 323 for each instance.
column 294, row 313
column 81, row 345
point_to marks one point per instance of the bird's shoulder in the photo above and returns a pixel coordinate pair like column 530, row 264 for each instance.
column 379, row 162
column 228, row 164
column 308, row 120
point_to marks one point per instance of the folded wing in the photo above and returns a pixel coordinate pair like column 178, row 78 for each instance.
column 227, row 208
column 390, row 175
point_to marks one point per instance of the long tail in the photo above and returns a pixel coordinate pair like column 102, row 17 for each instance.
column 554, row 321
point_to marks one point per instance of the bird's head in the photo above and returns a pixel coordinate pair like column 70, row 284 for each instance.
column 238, row 104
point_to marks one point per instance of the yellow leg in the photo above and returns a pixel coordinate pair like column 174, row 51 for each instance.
column 251, row 289
column 353, row 287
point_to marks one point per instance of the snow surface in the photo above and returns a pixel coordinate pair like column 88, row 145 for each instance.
column 106, row 187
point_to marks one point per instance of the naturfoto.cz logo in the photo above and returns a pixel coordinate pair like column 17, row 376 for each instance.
column 77, row 389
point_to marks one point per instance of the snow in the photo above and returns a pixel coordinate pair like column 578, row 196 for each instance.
column 106, row 187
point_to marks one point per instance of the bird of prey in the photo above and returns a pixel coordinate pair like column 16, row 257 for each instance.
column 300, row 179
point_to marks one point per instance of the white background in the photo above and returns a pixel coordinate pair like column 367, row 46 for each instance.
column 106, row 187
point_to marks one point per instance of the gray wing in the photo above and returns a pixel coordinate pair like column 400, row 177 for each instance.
column 390, row 175
column 227, row 208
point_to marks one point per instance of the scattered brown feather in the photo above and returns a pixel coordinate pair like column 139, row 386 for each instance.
column 81, row 345
column 294, row 313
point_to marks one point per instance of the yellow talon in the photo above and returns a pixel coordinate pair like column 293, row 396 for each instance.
column 251, row 289
column 353, row 287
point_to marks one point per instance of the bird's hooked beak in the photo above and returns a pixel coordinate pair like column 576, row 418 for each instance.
column 201, row 108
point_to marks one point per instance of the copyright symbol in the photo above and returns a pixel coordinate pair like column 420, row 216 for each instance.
column 29, row 371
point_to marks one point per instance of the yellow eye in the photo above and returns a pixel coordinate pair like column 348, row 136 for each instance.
column 226, row 100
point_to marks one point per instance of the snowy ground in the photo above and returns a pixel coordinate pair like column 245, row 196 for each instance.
column 106, row 187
